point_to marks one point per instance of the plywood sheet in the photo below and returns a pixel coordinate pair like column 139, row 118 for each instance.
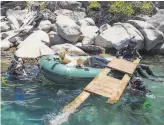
column 104, row 86
column 123, row 66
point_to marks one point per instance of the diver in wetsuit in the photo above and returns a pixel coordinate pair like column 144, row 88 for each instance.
column 17, row 67
column 139, row 90
column 130, row 52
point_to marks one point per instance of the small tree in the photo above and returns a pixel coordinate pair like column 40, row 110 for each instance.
column 121, row 9
column 93, row 5
column 144, row 7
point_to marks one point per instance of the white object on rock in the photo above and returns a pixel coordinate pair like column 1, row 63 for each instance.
column 68, row 29
column 86, row 22
column 56, row 39
column 38, row 36
column 151, row 34
column 74, row 15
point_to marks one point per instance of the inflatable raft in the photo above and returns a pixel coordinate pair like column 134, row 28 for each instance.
column 53, row 69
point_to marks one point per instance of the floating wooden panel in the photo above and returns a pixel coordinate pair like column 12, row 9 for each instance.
column 123, row 66
column 105, row 86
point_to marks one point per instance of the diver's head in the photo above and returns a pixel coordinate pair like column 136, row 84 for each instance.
column 136, row 82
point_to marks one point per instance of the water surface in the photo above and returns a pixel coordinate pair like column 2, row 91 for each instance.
column 43, row 101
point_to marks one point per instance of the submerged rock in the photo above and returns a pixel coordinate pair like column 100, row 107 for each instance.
column 68, row 29
column 152, row 35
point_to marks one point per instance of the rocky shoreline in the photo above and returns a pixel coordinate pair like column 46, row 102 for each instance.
column 66, row 27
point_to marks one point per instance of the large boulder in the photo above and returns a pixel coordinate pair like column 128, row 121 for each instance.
column 118, row 35
column 56, row 39
column 71, row 5
column 161, row 27
column 74, row 15
column 48, row 15
column 5, row 26
column 38, row 36
column 157, row 18
column 67, row 28
column 14, row 22
column 159, row 49
column 4, row 45
column 159, row 4
column 89, row 33
column 104, row 27
column 34, row 45
column 86, row 22
column 20, row 15
column 34, row 50
column 45, row 25
column 12, row 5
column 151, row 34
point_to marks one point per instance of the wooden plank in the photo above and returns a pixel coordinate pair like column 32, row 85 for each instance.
column 77, row 102
column 123, row 65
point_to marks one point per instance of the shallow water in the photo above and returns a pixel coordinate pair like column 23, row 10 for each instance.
column 43, row 102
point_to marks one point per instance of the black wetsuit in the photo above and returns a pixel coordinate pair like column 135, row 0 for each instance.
column 128, row 53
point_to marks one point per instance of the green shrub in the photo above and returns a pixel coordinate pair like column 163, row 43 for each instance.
column 121, row 9
column 43, row 6
column 28, row 4
column 93, row 4
column 144, row 7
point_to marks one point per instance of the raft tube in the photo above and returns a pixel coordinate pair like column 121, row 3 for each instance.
column 53, row 69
